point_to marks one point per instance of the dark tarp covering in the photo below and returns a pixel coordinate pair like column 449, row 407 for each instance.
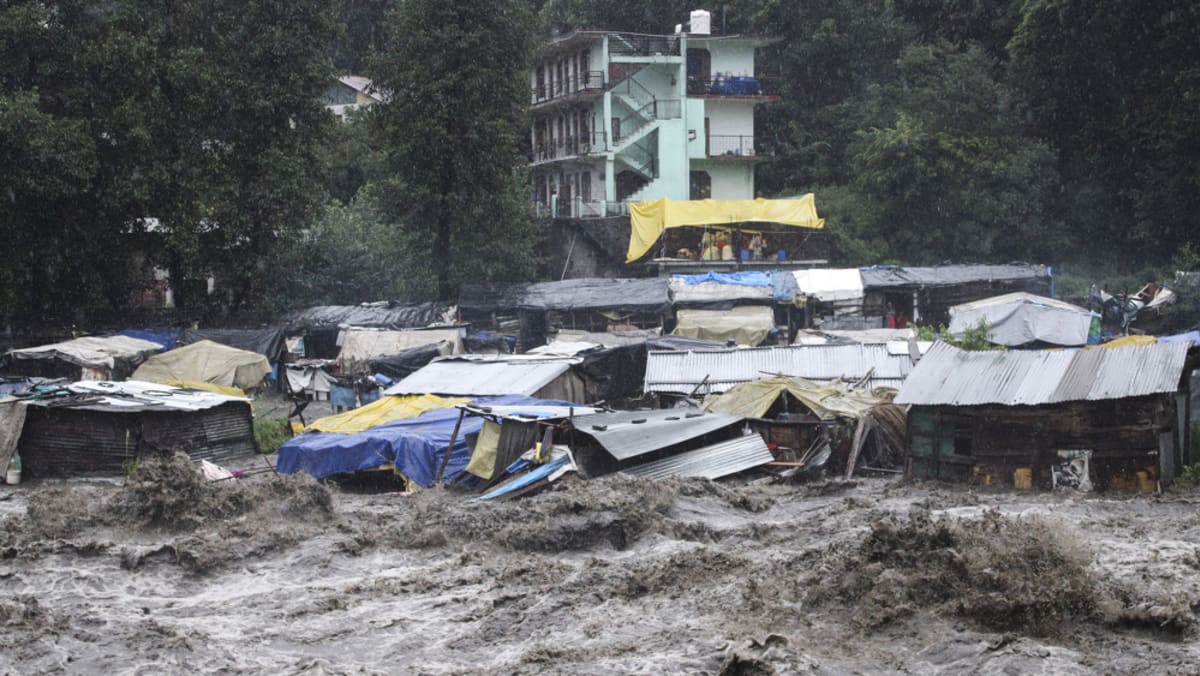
column 402, row 364
column 415, row 446
column 619, row 372
column 389, row 316
column 650, row 295
column 884, row 276
column 267, row 342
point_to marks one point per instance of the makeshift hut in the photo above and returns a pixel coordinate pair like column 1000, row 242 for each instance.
column 492, row 375
column 831, row 297
column 88, row 358
column 749, row 325
column 530, row 312
column 315, row 331
column 97, row 428
column 361, row 346
column 1020, row 318
column 924, row 295
column 1117, row 415
column 663, row 443
column 205, row 363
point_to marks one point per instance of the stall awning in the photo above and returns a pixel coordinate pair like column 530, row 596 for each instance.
column 649, row 219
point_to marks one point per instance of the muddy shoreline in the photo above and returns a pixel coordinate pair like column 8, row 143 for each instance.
column 614, row 575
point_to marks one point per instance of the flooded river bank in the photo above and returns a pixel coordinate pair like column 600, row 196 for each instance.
column 166, row 574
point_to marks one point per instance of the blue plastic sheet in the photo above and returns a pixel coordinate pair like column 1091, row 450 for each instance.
column 748, row 278
column 1192, row 337
column 164, row 336
column 414, row 446
column 526, row 480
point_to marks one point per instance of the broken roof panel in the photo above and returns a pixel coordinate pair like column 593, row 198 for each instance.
column 483, row 376
column 948, row 376
column 884, row 276
column 628, row 434
column 683, row 372
column 651, row 295
column 711, row 462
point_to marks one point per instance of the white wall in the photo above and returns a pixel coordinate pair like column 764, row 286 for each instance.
column 730, row 180
column 735, row 58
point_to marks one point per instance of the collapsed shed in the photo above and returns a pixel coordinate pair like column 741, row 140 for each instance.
column 413, row 447
column 530, row 312
column 670, row 442
column 87, row 358
column 988, row 414
column 97, row 428
column 800, row 417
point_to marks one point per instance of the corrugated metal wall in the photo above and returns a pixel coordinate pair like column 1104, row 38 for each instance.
column 59, row 442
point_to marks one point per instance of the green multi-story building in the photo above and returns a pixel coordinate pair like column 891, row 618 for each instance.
column 621, row 117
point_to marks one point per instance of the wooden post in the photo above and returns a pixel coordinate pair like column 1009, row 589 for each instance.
column 450, row 447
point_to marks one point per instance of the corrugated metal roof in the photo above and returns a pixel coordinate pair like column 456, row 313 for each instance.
column 628, row 434
column 883, row 276
column 681, row 372
column 135, row 396
column 948, row 376
column 480, row 377
column 710, row 462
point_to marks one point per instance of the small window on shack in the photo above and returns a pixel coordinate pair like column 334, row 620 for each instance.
column 963, row 437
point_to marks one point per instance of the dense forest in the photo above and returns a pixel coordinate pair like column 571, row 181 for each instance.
column 191, row 137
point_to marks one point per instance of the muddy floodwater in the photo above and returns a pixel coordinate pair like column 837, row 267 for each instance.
column 164, row 574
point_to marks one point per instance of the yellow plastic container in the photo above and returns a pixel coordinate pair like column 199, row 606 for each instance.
column 1146, row 483
column 1023, row 479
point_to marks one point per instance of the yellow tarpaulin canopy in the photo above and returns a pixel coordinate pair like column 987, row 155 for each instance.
column 1128, row 341
column 755, row 398
column 383, row 410
column 651, row 218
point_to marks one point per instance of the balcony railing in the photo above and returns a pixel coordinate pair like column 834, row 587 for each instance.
column 639, row 44
column 587, row 81
column 736, row 85
column 668, row 109
column 723, row 147
column 570, row 146
column 577, row 207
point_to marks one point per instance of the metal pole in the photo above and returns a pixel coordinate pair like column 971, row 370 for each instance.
column 450, row 447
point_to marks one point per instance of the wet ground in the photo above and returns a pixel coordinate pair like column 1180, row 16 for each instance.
column 166, row 574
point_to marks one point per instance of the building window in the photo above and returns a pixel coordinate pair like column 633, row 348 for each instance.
column 701, row 188
column 585, row 186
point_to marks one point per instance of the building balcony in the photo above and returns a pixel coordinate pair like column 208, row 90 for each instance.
column 576, row 87
column 639, row 45
column 733, row 148
column 569, row 148
column 736, row 87
column 577, row 207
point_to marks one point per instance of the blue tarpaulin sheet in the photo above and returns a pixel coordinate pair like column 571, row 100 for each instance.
column 750, row 278
column 165, row 337
column 1192, row 337
column 415, row 446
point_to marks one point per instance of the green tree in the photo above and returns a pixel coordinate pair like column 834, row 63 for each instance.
column 1115, row 87
column 456, row 76
column 955, row 176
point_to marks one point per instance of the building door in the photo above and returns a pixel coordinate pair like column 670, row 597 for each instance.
column 616, row 130
column 699, row 71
